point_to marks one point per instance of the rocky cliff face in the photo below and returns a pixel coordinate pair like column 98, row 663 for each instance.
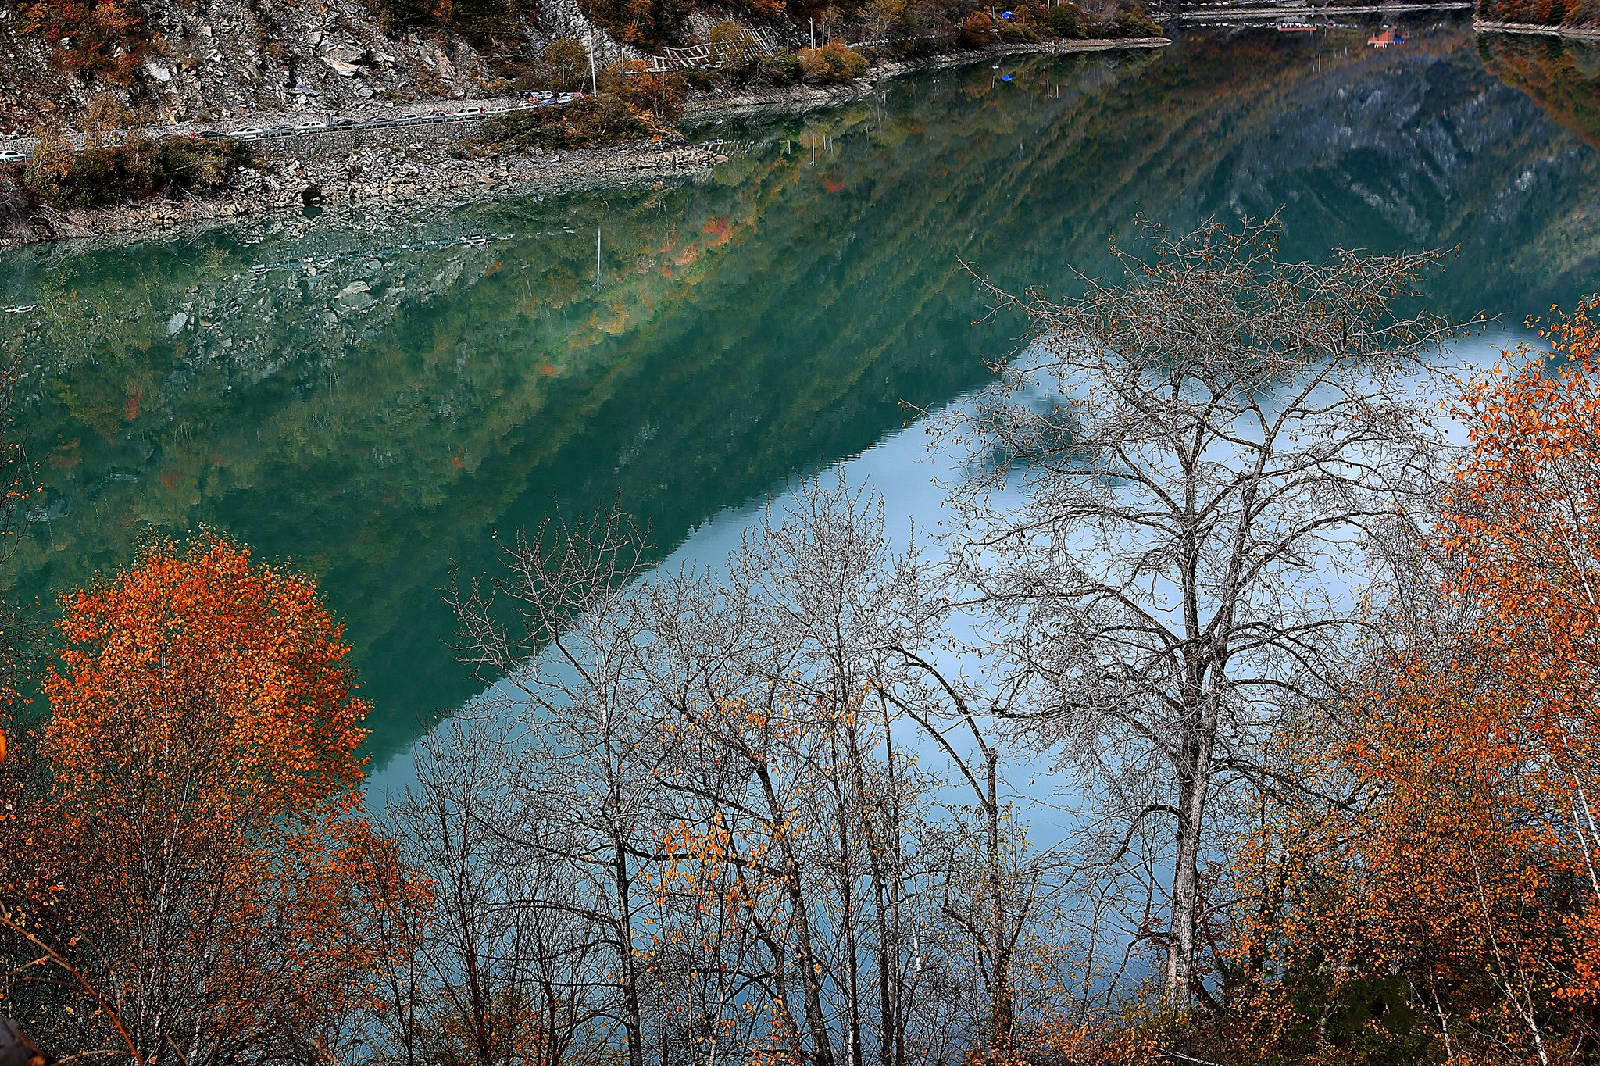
column 209, row 59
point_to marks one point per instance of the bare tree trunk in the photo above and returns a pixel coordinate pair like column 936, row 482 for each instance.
column 1002, row 1011
column 883, row 854
column 847, row 920
column 1234, row 437
column 627, row 970
column 1194, row 791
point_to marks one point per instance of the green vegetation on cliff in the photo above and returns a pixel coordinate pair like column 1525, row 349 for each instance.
column 138, row 169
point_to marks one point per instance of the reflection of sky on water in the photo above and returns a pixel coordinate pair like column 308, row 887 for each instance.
column 910, row 469
column 369, row 394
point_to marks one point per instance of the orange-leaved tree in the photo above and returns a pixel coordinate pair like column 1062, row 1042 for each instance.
column 198, row 869
column 1449, row 907
column 1427, row 913
column 1523, row 530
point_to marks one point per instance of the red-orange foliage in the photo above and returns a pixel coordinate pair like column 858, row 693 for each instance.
column 104, row 38
column 1460, row 893
column 1467, row 867
column 202, row 662
column 1524, row 531
column 200, row 857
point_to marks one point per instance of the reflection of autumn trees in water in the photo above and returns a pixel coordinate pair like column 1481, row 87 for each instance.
column 1562, row 76
column 375, row 413
column 1542, row 12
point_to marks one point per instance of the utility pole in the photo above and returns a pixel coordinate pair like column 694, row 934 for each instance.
column 594, row 78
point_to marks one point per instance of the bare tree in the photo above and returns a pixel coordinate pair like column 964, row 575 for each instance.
column 799, row 687
column 507, row 963
column 723, row 764
column 1201, row 448
column 559, row 631
column 764, row 679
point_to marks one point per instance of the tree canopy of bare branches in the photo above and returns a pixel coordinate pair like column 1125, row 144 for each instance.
column 1204, row 447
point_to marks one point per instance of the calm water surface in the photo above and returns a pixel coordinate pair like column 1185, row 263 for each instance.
column 372, row 394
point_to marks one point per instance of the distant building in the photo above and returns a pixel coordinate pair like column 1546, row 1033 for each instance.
column 1385, row 39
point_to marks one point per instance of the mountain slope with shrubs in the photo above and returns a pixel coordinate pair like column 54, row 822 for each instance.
column 179, row 60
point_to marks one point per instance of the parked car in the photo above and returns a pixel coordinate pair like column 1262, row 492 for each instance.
column 249, row 133
column 13, row 157
column 210, row 135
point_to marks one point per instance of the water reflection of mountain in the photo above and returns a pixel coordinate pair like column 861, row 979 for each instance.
column 372, row 396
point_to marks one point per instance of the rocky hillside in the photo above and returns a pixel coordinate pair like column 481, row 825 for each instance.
column 201, row 59
column 181, row 60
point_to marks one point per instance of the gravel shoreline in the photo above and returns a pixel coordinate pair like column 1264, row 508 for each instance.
column 374, row 173
column 367, row 167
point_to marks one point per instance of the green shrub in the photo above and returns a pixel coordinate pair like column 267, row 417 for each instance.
column 1136, row 22
column 832, row 64
column 782, row 70
column 702, row 80
column 137, row 170
column 1066, row 21
column 765, row 70
column 563, row 65
column 593, row 121
column 1027, row 25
